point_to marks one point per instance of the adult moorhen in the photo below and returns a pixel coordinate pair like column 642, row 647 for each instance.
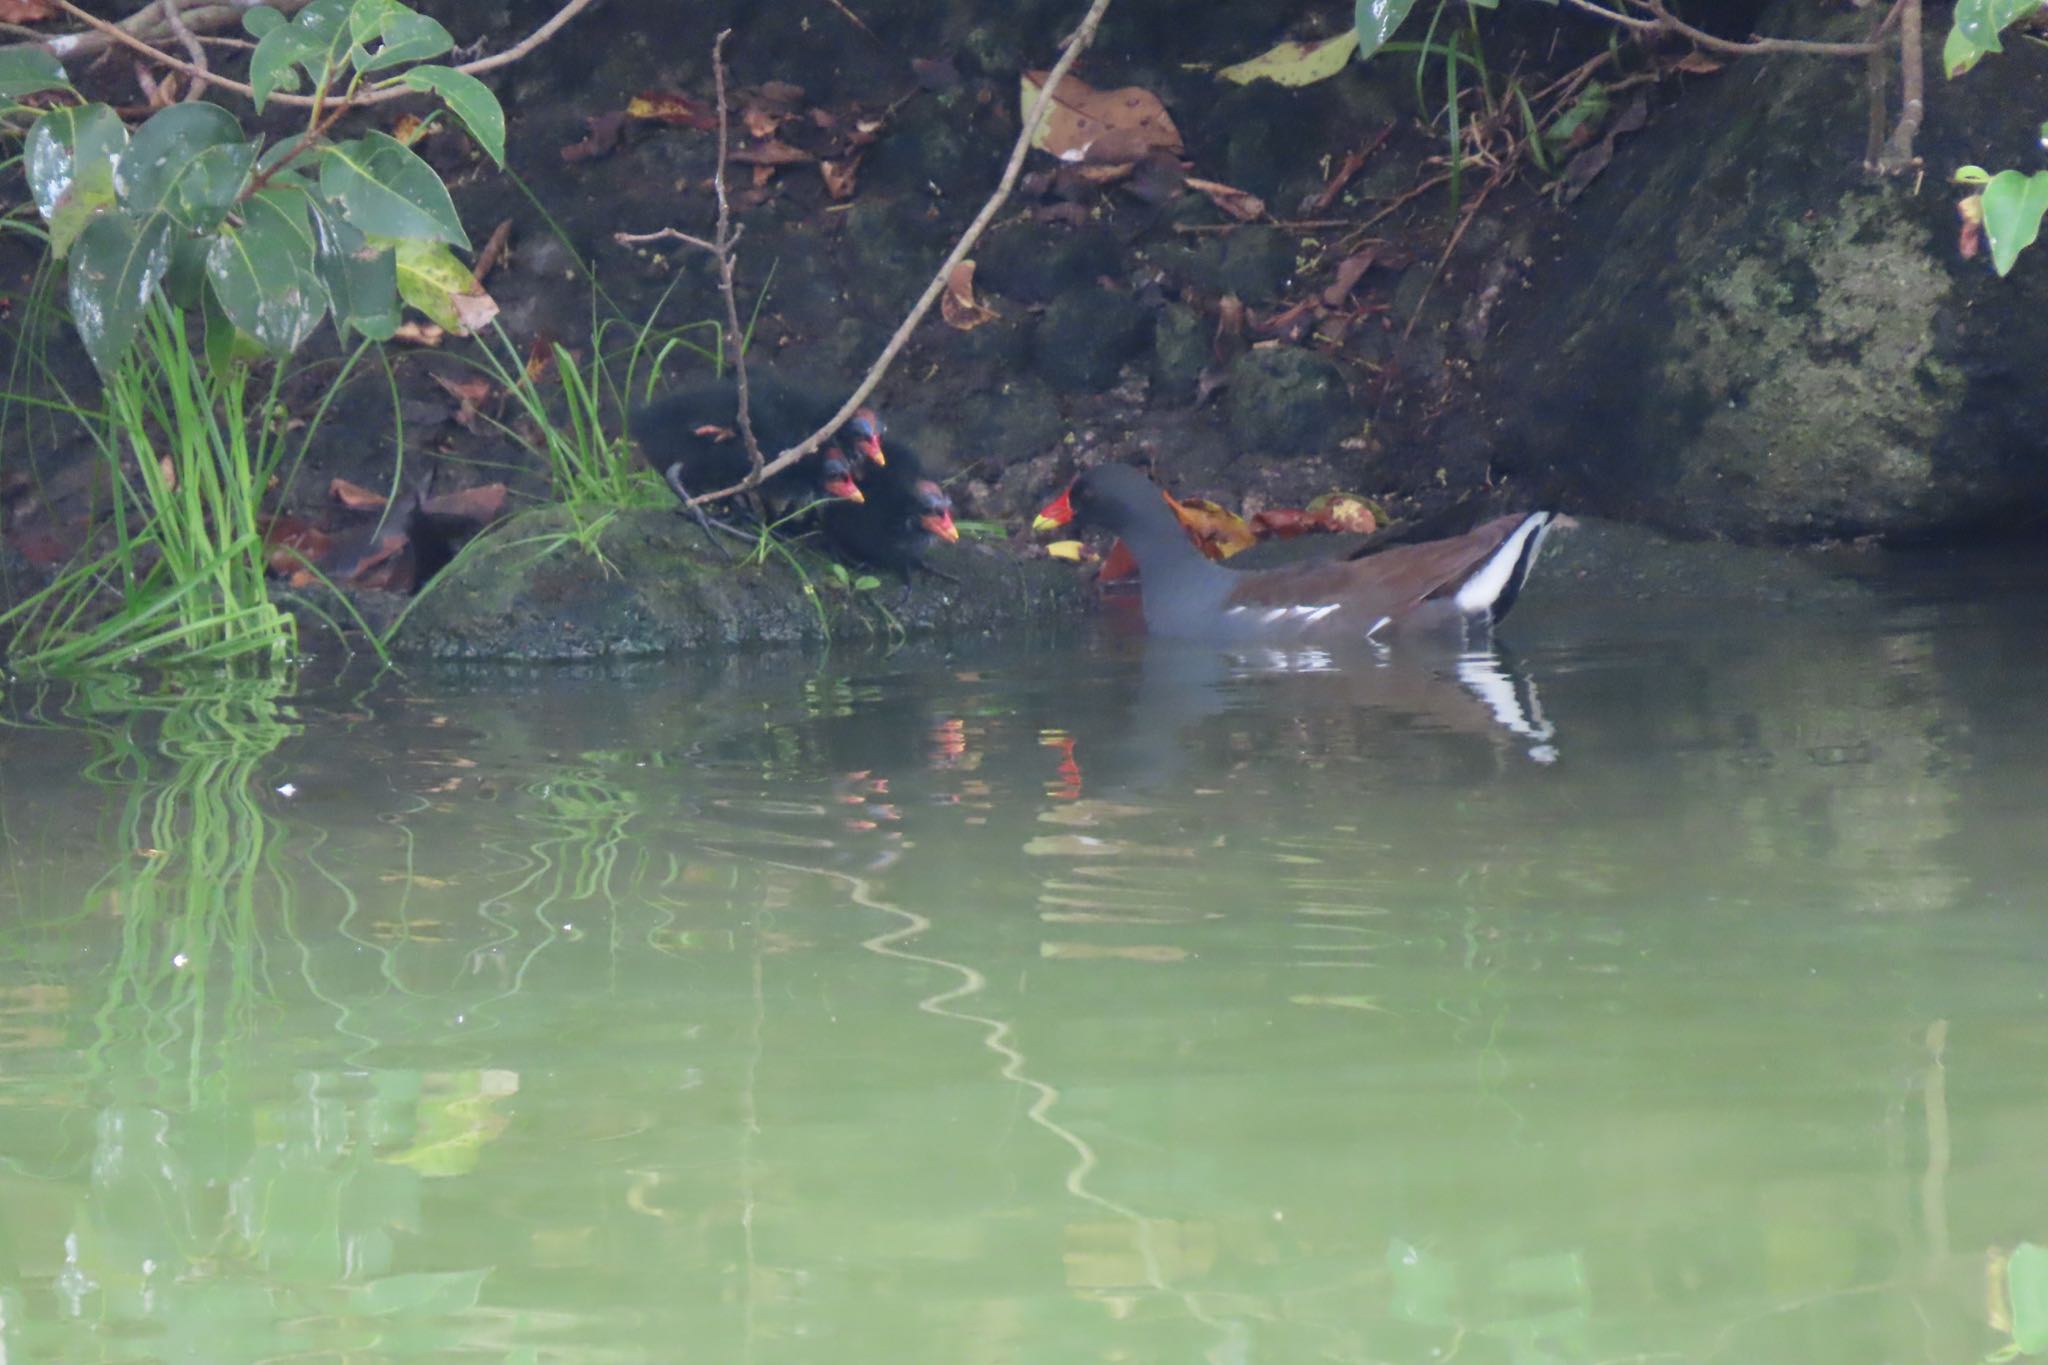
column 904, row 514
column 692, row 436
column 1462, row 585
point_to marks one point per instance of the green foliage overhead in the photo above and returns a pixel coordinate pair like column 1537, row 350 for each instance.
column 1376, row 20
column 2010, row 204
column 262, row 241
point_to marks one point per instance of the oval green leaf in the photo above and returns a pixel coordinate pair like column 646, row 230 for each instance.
column 115, row 267
column 361, row 277
column 387, row 191
column 433, row 281
column 70, row 160
column 1375, row 22
column 1296, row 63
column 400, row 35
column 2013, row 205
column 164, row 149
column 262, row 272
column 211, row 184
column 314, row 41
column 28, row 70
column 470, row 100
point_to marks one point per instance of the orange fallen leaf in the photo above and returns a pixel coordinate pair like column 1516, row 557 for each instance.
column 602, row 135
column 957, row 305
column 672, row 106
column 1118, row 566
column 355, row 497
column 409, row 129
column 419, row 333
column 1347, row 513
column 1217, row 531
column 1101, row 126
column 1281, row 523
column 480, row 504
column 27, row 11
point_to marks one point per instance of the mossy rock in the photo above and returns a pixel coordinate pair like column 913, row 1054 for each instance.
column 531, row 591
column 1284, row 401
column 1086, row 336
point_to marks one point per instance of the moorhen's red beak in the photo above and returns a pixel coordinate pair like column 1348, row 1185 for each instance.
column 867, row 437
column 940, row 524
column 843, row 486
column 1056, row 513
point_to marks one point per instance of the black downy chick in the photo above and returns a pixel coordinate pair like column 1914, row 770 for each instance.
column 904, row 513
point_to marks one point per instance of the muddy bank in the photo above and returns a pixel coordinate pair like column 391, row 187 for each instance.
column 657, row 591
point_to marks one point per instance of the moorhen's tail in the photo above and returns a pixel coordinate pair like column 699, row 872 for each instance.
column 1490, row 590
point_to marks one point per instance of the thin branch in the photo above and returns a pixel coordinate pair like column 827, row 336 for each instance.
column 725, row 247
column 1898, row 152
column 1079, row 39
column 1657, row 19
column 175, row 18
column 199, row 15
column 115, row 34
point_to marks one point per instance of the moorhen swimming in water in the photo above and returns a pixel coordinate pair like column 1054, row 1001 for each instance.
column 1462, row 585
column 692, row 437
column 903, row 515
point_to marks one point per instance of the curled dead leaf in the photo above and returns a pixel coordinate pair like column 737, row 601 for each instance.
column 354, row 496
column 419, row 333
column 1217, row 531
column 958, row 306
column 838, row 176
column 770, row 152
column 1242, row 205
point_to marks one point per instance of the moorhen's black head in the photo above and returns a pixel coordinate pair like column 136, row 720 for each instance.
column 864, row 431
column 934, row 512
column 1115, row 497
column 835, row 475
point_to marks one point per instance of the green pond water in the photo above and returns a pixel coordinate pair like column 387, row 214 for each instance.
column 1673, row 988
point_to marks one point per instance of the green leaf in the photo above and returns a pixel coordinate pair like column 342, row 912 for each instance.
column 261, row 20
column 226, row 345
column 1976, row 28
column 1375, row 22
column 361, row 278
column 314, row 42
column 211, row 184
column 164, row 149
column 2026, row 1289
column 470, row 100
column 115, row 267
column 262, row 272
column 401, row 35
column 2013, row 205
column 387, row 191
column 433, row 281
column 1971, row 175
column 1296, row 63
column 70, row 159
column 1958, row 54
column 185, row 280
column 867, row 582
column 27, row 70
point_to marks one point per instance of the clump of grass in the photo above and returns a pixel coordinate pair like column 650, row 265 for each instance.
column 176, row 573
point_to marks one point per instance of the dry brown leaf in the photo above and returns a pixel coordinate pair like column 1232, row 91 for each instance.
column 1347, row 513
column 354, row 496
column 1350, row 271
column 1698, row 64
column 1217, row 531
column 409, row 129
column 672, row 106
column 958, row 306
column 604, row 132
column 760, row 121
column 838, row 176
column 27, row 11
column 419, row 333
column 1239, row 204
column 770, row 152
column 481, row 504
column 1101, row 126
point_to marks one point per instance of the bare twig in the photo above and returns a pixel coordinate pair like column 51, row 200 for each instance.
column 724, row 244
column 174, row 17
column 1654, row 18
column 147, row 22
column 116, row 35
column 1082, row 35
column 1898, row 152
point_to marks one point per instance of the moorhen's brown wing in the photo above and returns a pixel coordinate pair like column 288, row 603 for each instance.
column 1358, row 595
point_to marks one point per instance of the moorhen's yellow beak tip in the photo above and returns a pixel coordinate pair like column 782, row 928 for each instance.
column 1043, row 523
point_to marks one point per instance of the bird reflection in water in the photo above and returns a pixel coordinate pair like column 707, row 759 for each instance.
column 1476, row 692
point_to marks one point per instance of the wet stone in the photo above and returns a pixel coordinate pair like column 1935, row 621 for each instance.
column 1287, row 402
column 1085, row 338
